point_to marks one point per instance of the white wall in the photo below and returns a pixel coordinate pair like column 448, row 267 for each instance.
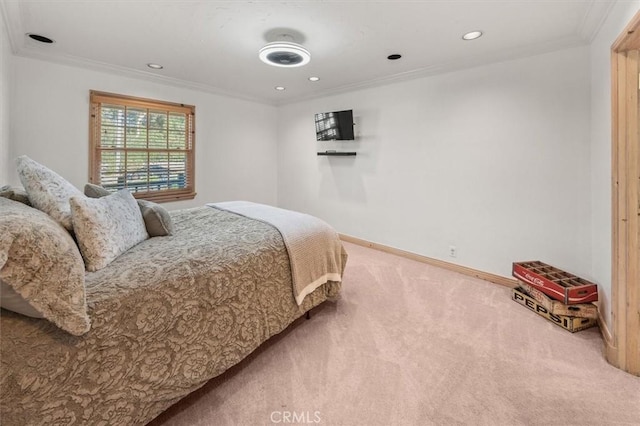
column 235, row 139
column 601, row 148
column 5, row 96
column 494, row 160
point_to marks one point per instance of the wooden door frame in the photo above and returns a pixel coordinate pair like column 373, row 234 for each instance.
column 623, row 345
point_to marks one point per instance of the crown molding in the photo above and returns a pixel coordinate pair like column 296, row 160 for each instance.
column 89, row 64
column 594, row 18
column 12, row 17
column 452, row 66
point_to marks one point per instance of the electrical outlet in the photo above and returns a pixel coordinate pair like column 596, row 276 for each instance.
column 453, row 251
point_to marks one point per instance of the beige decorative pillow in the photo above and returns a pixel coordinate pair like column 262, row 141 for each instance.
column 157, row 219
column 15, row 194
column 106, row 227
column 48, row 191
column 40, row 261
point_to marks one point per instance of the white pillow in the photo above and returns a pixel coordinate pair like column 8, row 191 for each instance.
column 48, row 191
column 12, row 301
column 106, row 227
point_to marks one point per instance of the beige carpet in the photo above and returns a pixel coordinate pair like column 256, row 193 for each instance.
column 411, row 344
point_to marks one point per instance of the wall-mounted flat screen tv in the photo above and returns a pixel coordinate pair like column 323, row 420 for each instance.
column 335, row 126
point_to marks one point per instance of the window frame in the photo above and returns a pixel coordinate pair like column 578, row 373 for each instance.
column 97, row 99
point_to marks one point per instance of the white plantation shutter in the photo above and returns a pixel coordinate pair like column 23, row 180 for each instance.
column 143, row 145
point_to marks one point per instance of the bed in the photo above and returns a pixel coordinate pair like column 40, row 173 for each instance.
column 166, row 316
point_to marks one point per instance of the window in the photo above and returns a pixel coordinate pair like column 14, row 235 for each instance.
column 143, row 145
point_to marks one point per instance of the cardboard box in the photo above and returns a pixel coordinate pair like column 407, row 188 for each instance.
column 556, row 283
column 581, row 310
column 572, row 324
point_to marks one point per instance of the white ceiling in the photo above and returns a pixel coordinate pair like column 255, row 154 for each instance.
column 213, row 45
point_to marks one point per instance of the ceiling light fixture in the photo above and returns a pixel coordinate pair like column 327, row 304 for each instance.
column 314, row 78
column 472, row 35
column 284, row 53
column 280, row 88
column 40, row 38
column 155, row 66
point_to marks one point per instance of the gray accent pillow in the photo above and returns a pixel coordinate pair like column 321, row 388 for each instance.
column 95, row 191
column 48, row 191
column 40, row 261
column 15, row 194
column 106, row 227
column 157, row 219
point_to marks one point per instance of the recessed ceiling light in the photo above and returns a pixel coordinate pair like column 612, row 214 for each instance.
column 314, row 78
column 280, row 88
column 40, row 38
column 155, row 66
column 394, row 56
column 284, row 54
column 472, row 35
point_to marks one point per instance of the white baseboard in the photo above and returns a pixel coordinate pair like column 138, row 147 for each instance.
column 496, row 279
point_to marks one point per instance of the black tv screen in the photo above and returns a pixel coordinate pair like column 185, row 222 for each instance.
column 334, row 126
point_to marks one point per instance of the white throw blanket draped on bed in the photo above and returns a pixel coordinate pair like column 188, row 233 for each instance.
column 315, row 251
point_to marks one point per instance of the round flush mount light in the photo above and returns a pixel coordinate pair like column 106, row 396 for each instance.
column 314, row 78
column 472, row 35
column 280, row 88
column 284, row 54
column 155, row 66
column 394, row 57
column 40, row 38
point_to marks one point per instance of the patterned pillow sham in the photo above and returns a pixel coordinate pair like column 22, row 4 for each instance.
column 157, row 219
column 48, row 191
column 106, row 227
column 40, row 261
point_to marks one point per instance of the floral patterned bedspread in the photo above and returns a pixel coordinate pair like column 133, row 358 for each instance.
column 168, row 315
